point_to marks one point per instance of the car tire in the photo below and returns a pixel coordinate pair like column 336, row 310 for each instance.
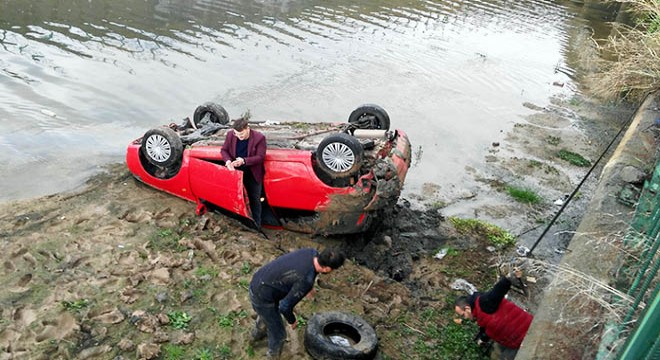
column 162, row 147
column 370, row 116
column 218, row 114
column 360, row 340
column 340, row 155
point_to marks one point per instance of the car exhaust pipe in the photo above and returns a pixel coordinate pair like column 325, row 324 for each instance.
column 369, row 133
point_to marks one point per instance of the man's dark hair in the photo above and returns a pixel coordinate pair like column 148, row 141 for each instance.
column 461, row 302
column 240, row 124
column 331, row 257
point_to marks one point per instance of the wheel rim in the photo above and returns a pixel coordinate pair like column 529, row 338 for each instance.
column 158, row 148
column 338, row 157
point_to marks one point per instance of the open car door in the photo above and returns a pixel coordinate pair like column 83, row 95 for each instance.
column 214, row 183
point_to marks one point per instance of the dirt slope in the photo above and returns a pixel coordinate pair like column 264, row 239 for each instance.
column 94, row 274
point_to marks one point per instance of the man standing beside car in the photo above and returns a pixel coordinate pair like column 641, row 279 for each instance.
column 245, row 149
column 278, row 286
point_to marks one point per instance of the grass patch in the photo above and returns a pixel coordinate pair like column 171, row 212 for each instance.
column 495, row 234
column 438, row 205
column 246, row 268
column 523, row 195
column 232, row 318
column 203, row 354
column 575, row 101
column 179, row 319
column 204, row 272
column 166, row 239
column 75, row 306
column 553, row 140
column 225, row 352
column 244, row 284
column 573, row 158
column 634, row 70
column 445, row 340
column 534, row 164
column 173, row 352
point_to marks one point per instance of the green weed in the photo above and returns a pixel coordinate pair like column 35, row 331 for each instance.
column 495, row 234
column 203, row 271
column 203, row 354
column 179, row 319
column 553, row 140
column 534, row 164
column 232, row 318
column 573, row 158
column 302, row 322
column 250, row 351
column 438, row 205
column 523, row 195
column 166, row 239
column 225, row 352
column 455, row 341
column 441, row 339
column 246, row 268
column 75, row 305
column 173, row 352
column 243, row 284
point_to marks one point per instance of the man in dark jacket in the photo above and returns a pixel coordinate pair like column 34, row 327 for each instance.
column 498, row 318
column 245, row 149
column 279, row 285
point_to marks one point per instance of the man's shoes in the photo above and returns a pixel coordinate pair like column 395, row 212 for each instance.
column 258, row 332
column 257, row 335
column 273, row 354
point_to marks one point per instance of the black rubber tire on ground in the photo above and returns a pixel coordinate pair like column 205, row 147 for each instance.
column 370, row 116
column 162, row 147
column 340, row 155
column 363, row 339
column 218, row 114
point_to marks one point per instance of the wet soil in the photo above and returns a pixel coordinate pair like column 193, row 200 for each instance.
column 94, row 274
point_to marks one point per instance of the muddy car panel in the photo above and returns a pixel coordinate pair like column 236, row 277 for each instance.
column 214, row 183
column 178, row 185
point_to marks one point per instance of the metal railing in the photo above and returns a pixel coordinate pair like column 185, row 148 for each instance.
column 642, row 319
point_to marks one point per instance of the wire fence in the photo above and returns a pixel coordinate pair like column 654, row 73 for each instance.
column 637, row 334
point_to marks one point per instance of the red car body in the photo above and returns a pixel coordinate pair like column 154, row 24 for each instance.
column 297, row 196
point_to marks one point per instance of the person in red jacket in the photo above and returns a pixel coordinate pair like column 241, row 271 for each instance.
column 498, row 319
column 245, row 149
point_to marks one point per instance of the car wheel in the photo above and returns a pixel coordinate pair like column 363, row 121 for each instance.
column 217, row 114
column 370, row 116
column 340, row 155
column 336, row 335
column 162, row 147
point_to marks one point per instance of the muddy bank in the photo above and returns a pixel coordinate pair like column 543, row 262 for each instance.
column 98, row 274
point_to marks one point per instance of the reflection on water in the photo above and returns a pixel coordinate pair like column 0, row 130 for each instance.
column 80, row 78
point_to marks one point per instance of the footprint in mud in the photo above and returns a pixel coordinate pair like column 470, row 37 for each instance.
column 24, row 280
column 23, row 317
column 59, row 328
column 9, row 267
column 230, row 257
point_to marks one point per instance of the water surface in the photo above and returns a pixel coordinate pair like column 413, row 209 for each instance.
column 79, row 79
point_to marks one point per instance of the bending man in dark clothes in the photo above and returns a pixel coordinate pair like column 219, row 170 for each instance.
column 245, row 149
column 279, row 285
column 498, row 318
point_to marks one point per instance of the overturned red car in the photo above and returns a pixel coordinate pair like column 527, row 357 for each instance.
column 322, row 178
